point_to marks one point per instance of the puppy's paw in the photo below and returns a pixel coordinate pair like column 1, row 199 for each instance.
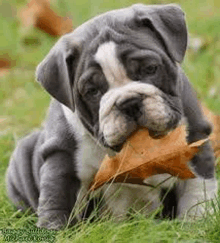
column 55, row 220
column 198, row 211
column 198, row 199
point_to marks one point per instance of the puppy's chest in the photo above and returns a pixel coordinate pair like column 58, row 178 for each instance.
column 89, row 153
column 89, row 158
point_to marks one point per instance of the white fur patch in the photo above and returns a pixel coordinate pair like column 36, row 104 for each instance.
column 114, row 71
column 90, row 152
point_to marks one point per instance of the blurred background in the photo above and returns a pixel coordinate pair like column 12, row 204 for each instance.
column 29, row 28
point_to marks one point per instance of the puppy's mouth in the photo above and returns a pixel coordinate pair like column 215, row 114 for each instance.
column 157, row 134
column 154, row 134
column 116, row 148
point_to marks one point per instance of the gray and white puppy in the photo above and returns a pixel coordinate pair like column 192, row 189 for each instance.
column 115, row 73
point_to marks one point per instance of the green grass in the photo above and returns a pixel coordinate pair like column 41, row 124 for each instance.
column 23, row 105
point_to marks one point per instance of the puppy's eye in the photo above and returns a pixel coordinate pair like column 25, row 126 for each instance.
column 150, row 70
column 93, row 92
column 139, row 69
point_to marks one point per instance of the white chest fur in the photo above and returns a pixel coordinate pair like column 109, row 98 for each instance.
column 90, row 153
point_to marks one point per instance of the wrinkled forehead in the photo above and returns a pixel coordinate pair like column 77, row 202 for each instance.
column 115, row 41
column 108, row 37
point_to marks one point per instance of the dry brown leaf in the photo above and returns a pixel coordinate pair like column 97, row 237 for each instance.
column 5, row 64
column 142, row 156
column 39, row 14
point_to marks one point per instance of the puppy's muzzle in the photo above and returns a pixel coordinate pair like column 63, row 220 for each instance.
column 132, row 108
column 135, row 105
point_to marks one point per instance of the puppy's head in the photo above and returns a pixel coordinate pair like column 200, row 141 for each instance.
column 119, row 71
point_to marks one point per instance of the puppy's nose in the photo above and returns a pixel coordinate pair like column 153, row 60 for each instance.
column 131, row 107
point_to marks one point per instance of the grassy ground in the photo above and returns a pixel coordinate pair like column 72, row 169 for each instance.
column 23, row 105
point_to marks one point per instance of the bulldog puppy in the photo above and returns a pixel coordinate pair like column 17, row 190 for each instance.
column 115, row 73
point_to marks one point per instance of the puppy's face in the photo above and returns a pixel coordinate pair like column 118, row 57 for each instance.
column 124, row 86
column 119, row 71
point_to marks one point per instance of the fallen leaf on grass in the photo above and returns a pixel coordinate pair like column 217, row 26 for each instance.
column 5, row 64
column 39, row 14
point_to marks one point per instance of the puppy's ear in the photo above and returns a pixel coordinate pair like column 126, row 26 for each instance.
column 56, row 71
column 168, row 21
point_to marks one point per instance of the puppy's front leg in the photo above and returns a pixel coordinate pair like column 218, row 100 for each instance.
column 58, row 190
column 197, row 198
column 194, row 193
column 198, row 128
